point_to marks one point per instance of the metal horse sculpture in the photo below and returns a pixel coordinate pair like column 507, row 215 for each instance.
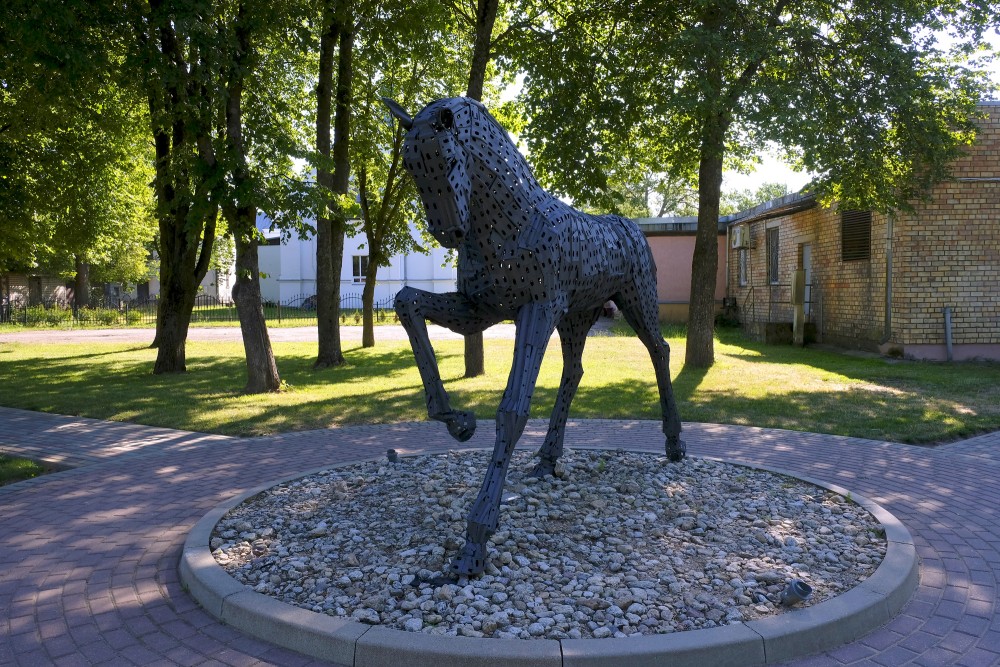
column 522, row 255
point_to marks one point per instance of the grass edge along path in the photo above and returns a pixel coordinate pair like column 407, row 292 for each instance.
column 751, row 384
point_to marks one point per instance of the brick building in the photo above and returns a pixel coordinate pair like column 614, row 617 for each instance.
column 925, row 285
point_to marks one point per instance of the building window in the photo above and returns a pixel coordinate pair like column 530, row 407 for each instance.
column 743, row 259
column 360, row 268
column 855, row 235
column 772, row 255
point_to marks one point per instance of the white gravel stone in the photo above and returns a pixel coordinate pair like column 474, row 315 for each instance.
column 621, row 544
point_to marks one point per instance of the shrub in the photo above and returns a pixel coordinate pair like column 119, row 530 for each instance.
column 107, row 316
column 40, row 315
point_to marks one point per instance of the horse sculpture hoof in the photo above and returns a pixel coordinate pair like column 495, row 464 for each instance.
column 542, row 468
column 471, row 561
column 676, row 450
column 461, row 425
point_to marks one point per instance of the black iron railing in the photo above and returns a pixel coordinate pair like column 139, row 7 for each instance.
column 207, row 309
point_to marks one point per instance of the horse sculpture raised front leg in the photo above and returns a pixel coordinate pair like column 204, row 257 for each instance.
column 451, row 310
column 535, row 323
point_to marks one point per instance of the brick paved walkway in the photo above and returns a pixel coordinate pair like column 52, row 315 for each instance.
column 88, row 557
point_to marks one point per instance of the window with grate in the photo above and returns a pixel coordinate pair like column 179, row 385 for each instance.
column 744, row 267
column 360, row 268
column 772, row 255
column 855, row 235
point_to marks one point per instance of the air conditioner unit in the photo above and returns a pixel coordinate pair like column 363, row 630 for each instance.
column 739, row 237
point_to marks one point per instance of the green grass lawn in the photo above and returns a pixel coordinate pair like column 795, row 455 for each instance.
column 751, row 384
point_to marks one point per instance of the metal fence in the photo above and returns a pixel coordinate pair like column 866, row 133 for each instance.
column 207, row 309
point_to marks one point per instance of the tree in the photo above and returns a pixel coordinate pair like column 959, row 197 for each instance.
column 385, row 218
column 646, row 195
column 409, row 59
column 240, row 209
column 333, row 169
column 74, row 165
column 175, row 50
column 222, row 79
column 862, row 94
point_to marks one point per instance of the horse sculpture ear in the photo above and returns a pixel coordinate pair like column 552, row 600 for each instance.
column 399, row 112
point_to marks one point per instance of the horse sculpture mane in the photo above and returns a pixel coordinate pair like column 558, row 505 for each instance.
column 526, row 255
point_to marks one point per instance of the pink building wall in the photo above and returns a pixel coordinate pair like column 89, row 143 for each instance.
column 673, row 255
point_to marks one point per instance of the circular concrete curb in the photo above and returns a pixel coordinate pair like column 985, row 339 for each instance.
column 770, row 640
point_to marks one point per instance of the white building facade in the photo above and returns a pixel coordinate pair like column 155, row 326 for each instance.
column 288, row 269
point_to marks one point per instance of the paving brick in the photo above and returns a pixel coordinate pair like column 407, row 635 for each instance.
column 978, row 658
column 936, row 657
column 958, row 642
column 894, row 656
column 98, row 651
column 972, row 625
column 852, row 652
column 114, row 596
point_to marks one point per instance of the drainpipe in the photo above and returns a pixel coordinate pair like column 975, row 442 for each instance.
column 890, row 220
column 729, row 229
column 947, row 331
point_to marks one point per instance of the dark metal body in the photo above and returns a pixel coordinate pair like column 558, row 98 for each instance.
column 523, row 255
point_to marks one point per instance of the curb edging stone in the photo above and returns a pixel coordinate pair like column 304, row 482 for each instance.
column 796, row 633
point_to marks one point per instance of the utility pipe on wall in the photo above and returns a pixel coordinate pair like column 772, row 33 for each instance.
column 947, row 331
column 890, row 219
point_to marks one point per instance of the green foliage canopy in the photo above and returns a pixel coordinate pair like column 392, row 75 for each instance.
column 74, row 164
column 864, row 95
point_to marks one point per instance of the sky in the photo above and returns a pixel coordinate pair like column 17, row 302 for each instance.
column 773, row 170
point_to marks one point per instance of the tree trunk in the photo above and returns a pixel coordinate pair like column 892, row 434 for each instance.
column 177, row 293
column 188, row 216
column 700, row 352
column 181, row 272
column 81, row 283
column 330, row 226
column 368, row 299
column 262, row 371
column 486, row 14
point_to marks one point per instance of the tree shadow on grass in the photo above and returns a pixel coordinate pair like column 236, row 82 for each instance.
column 382, row 385
column 360, row 365
column 856, row 414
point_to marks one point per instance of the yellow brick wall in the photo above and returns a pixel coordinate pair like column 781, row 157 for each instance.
column 848, row 302
column 947, row 253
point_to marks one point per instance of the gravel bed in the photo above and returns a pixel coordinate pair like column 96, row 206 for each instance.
column 617, row 544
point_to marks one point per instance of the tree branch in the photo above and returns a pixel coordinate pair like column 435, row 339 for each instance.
column 469, row 17
column 746, row 76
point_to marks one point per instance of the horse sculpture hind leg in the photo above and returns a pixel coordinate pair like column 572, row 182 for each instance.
column 451, row 310
column 573, row 330
column 637, row 301
column 535, row 323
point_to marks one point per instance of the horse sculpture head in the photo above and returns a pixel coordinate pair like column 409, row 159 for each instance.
column 435, row 155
